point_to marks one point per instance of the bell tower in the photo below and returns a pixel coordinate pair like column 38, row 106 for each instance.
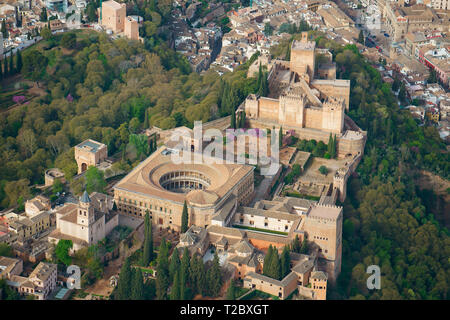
column 85, row 211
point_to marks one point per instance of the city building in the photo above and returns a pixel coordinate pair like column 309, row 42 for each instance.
column 112, row 16
column 85, row 223
column 90, row 153
column 161, row 187
column 301, row 101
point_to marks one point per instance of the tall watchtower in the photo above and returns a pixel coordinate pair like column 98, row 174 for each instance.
column 303, row 56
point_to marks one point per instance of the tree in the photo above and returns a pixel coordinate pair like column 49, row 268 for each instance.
column 95, row 180
column 46, row 33
column 62, row 252
column 147, row 254
column 295, row 245
column 34, row 63
column 285, row 262
column 184, row 270
column 27, row 140
column 231, row 291
column 214, row 277
column 432, row 78
column 280, row 137
column 4, row 30
column 6, row 250
column 11, row 64
column 162, row 276
column 69, row 40
column 137, row 287
column 19, row 62
column 242, row 120
column 268, row 29
column 91, row 11
column 175, row 290
column 140, row 142
column 57, row 187
column 5, row 67
column 323, row 170
column 175, row 264
column 184, row 218
column 233, row 120
column 304, row 247
column 361, row 37
column 125, row 278
column 43, row 15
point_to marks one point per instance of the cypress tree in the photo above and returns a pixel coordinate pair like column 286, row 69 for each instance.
column 280, row 137
column 231, row 291
column 162, row 277
column 185, row 265
column 184, row 218
column 285, row 262
column 268, row 261
column 334, row 147
column 214, row 278
column 242, row 119
column 5, row 67
column 182, row 287
column 174, row 264
column 304, row 247
column 175, row 291
column 330, row 145
column 11, row 64
column 146, row 122
column 295, row 246
column 275, row 267
column 137, row 292
column 147, row 253
column 233, row 120
column 125, row 277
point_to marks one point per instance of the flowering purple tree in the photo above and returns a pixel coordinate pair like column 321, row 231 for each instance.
column 19, row 99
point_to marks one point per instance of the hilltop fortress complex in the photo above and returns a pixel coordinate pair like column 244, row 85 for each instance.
column 305, row 97
column 224, row 211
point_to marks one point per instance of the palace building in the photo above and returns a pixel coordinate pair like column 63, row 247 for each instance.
column 160, row 187
column 305, row 98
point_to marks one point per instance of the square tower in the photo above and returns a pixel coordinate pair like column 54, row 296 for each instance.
column 303, row 56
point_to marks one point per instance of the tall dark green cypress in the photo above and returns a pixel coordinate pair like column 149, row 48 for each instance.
column 162, row 276
column 184, row 218
column 242, row 125
column 124, row 285
column 174, row 265
column 147, row 254
column 214, row 278
column 175, row 290
column 185, row 265
column 330, row 145
column 5, row 67
column 268, row 261
column 295, row 246
column 285, row 262
column 233, row 120
column 137, row 287
column 280, row 137
column 11, row 64
column 231, row 291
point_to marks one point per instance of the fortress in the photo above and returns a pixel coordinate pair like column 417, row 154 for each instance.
column 306, row 97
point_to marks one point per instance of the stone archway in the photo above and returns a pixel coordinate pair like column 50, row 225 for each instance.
column 83, row 167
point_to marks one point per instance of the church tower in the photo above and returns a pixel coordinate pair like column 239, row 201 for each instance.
column 85, row 211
